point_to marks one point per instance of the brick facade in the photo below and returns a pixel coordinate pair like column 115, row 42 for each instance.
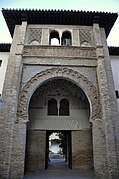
column 29, row 67
column 35, row 150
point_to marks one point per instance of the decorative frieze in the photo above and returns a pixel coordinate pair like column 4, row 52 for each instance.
column 53, row 51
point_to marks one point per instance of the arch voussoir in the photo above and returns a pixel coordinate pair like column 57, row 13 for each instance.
column 83, row 82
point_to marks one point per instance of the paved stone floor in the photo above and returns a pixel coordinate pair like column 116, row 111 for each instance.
column 59, row 170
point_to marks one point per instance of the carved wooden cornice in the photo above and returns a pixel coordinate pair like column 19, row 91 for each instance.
column 61, row 17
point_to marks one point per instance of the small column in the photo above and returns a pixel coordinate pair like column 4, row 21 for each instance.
column 107, row 118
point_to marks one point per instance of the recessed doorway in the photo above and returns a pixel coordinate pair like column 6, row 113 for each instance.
column 58, row 149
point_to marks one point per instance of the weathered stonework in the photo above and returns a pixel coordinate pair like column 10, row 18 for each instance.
column 45, row 51
column 10, row 96
column 104, row 75
column 28, row 89
column 87, row 69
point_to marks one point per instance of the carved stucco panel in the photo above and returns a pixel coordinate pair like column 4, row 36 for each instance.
column 89, row 89
column 31, row 70
column 86, row 36
column 57, row 51
column 34, row 34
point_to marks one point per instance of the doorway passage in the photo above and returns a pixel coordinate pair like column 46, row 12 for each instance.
column 58, row 149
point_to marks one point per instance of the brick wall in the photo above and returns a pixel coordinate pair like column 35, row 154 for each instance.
column 35, row 150
column 82, row 149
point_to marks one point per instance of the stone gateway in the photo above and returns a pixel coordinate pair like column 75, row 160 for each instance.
column 59, row 79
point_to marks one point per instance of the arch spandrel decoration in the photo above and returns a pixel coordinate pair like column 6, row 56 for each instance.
column 80, row 80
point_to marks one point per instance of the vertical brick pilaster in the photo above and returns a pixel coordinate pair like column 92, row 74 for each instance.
column 106, row 104
column 10, row 98
column 113, row 105
column 18, row 150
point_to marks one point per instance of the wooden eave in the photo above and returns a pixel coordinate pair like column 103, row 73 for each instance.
column 59, row 17
column 114, row 51
column 5, row 47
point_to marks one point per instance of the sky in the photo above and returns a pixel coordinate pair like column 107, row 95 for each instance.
column 86, row 5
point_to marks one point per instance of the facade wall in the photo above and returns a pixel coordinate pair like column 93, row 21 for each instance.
column 86, row 63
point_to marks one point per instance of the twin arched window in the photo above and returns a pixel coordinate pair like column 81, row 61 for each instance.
column 52, row 107
column 66, row 38
column 63, row 109
column 54, row 38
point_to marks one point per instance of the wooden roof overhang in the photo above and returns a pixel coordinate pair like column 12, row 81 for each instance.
column 114, row 51
column 61, row 17
column 5, row 47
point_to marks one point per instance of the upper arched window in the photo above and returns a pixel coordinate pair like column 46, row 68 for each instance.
column 54, row 38
column 64, row 107
column 52, row 107
column 66, row 38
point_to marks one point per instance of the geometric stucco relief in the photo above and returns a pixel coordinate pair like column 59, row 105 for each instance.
column 60, row 72
column 34, row 34
column 85, row 37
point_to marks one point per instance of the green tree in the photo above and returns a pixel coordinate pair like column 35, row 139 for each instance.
column 62, row 141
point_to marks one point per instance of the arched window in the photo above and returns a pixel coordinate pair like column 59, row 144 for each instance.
column 54, row 38
column 64, row 107
column 52, row 107
column 66, row 38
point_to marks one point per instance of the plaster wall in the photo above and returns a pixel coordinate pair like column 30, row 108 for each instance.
column 115, row 72
column 78, row 108
column 4, row 57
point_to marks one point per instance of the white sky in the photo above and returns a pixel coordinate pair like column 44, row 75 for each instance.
column 86, row 5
